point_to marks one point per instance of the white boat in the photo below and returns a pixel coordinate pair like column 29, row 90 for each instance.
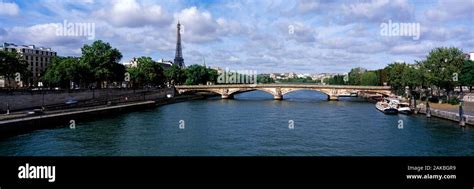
column 404, row 108
column 387, row 106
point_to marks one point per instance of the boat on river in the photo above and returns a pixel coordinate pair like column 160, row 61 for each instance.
column 404, row 108
column 387, row 106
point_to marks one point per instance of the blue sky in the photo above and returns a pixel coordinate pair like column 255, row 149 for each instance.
column 327, row 36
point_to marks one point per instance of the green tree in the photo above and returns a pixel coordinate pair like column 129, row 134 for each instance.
column 10, row 64
column 369, row 79
column 395, row 76
column 197, row 74
column 335, row 80
column 103, row 60
column 441, row 64
column 147, row 73
column 264, row 79
column 63, row 70
column 382, row 76
column 212, row 75
column 175, row 75
column 412, row 76
column 136, row 78
column 401, row 75
column 355, row 76
column 467, row 74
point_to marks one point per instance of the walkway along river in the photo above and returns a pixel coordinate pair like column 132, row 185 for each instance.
column 305, row 123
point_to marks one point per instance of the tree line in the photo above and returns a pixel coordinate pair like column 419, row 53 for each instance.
column 11, row 67
column 99, row 67
column 444, row 68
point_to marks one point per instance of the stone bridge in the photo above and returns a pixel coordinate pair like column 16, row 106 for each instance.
column 279, row 90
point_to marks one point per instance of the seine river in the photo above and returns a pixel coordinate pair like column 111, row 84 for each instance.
column 303, row 124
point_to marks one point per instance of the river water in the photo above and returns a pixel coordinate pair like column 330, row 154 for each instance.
column 303, row 124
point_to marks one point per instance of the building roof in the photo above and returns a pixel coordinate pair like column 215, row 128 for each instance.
column 12, row 45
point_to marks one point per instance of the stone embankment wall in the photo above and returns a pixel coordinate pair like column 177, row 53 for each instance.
column 447, row 115
column 19, row 100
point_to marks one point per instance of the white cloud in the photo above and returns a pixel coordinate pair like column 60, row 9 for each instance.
column 306, row 6
column 9, row 9
column 233, row 59
column 328, row 35
column 451, row 10
column 197, row 26
column 443, row 33
column 298, row 31
column 130, row 13
column 45, row 35
column 226, row 27
column 412, row 48
column 378, row 10
column 3, row 32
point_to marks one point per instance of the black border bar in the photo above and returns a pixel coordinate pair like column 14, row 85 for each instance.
column 236, row 170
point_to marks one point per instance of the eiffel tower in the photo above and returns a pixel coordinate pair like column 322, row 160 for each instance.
column 178, row 59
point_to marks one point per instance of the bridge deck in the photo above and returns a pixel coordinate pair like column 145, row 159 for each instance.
column 284, row 86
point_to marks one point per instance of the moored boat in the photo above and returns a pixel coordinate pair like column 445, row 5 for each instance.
column 387, row 106
column 404, row 108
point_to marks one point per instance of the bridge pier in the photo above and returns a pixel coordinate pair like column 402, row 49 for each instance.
column 227, row 96
column 278, row 97
column 333, row 98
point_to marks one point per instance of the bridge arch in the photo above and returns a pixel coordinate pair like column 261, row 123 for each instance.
column 331, row 94
column 231, row 93
column 290, row 90
column 217, row 92
column 278, row 90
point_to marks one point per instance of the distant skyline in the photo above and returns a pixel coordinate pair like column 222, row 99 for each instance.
column 265, row 35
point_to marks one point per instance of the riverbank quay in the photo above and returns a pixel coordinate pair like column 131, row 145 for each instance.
column 443, row 111
column 23, row 99
column 20, row 122
column 449, row 112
